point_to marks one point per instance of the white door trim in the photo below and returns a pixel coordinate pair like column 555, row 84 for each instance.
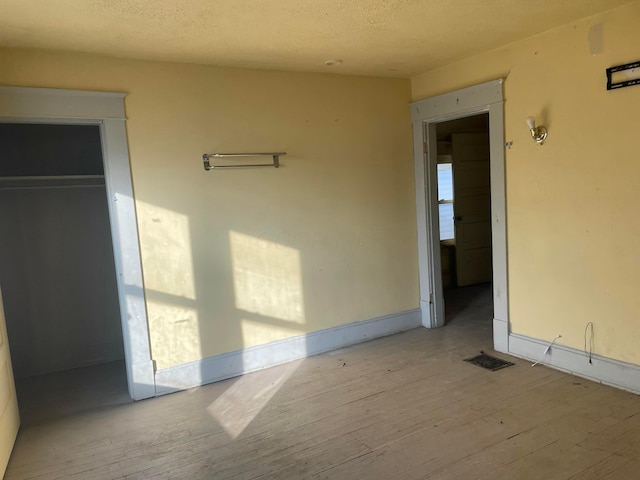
column 105, row 109
column 486, row 97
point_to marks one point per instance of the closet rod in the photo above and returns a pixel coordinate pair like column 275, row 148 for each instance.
column 275, row 155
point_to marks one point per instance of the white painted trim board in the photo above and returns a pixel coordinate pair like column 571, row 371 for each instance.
column 232, row 364
column 105, row 109
column 58, row 103
column 560, row 357
column 483, row 98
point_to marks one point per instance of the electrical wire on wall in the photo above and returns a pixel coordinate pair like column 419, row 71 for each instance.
column 588, row 352
column 546, row 350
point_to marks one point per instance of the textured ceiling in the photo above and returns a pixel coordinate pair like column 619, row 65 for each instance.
column 371, row 37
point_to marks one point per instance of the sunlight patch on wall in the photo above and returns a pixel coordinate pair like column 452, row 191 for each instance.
column 180, row 341
column 166, row 250
column 236, row 408
column 267, row 278
column 259, row 333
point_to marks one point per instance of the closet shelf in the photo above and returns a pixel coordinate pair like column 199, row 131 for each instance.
column 51, row 181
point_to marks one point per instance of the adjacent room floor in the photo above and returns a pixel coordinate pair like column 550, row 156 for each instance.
column 401, row 407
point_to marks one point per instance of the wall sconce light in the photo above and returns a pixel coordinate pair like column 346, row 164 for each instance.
column 539, row 133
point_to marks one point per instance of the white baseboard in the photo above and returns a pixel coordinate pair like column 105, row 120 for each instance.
column 602, row 369
column 232, row 364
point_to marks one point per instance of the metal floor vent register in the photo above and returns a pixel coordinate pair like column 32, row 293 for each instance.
column 487, row 361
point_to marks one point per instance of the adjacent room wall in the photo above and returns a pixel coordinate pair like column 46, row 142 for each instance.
column 572, row 224
column 236, row 258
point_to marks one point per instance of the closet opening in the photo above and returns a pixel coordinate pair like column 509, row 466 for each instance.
column 57, row 271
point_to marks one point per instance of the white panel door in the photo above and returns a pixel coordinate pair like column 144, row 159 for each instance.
column 472, row 207
column 9, row 416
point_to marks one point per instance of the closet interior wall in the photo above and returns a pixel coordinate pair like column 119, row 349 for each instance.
column 56, row 260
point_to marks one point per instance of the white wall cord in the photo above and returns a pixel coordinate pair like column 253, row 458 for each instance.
column 546, row 350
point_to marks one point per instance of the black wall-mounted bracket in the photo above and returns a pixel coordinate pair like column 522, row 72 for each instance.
column 611, row 85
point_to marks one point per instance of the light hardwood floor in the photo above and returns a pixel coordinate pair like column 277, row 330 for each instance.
column 401, row 407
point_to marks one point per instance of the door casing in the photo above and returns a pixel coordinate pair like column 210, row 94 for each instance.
column 106, row 110
column 9, row 414
column 425, row 114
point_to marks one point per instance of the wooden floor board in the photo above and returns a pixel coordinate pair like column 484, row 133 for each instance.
column 398, row 408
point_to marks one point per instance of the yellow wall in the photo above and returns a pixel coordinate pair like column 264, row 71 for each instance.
column 235, row 258
column 572, row 220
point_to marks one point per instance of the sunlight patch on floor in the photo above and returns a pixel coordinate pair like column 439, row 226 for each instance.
column 236, row 408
